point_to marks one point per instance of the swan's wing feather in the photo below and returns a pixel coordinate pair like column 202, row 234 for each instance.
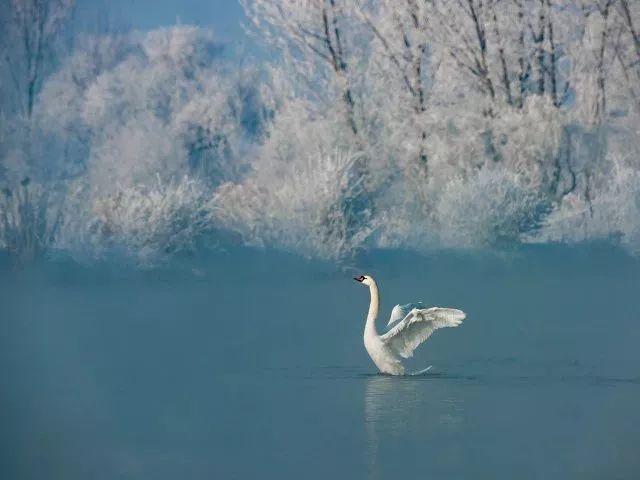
column 417, row 326
column 401, row 311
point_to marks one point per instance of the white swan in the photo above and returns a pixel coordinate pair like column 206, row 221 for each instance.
column 404, row 337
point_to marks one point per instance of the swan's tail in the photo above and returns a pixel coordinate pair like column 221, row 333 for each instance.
column 420, row 372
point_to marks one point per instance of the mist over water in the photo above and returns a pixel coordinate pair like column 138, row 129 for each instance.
column 158, row 157
column 250, row 364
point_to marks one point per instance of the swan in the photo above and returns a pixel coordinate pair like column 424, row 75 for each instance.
column 403, row 338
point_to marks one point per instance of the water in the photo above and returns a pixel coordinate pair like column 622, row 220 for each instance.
column 251, row 365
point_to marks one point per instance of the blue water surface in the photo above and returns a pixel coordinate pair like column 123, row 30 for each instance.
column 249, row 364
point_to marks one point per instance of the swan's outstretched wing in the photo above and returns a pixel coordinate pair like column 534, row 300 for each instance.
column 417, row 326
column 401, row 311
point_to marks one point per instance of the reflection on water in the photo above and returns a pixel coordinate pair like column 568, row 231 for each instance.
column 397, row 408
column 377, row 388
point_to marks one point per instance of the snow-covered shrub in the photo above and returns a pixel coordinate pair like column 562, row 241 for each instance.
column 29, row 220
column 150, row 221
column 526, row 139
column 305, row 206
column 137, row 152
column 306, row 190
column 492, row 207
column 613, row 212
column 489, row 208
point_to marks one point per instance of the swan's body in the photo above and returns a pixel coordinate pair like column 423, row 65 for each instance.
column 405, row 335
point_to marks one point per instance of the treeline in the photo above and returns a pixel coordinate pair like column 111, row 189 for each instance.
column 414, row 124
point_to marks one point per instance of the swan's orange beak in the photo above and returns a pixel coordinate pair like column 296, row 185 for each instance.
column 359, row 279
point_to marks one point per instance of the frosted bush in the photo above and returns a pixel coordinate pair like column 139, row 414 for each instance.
column 526, row 139
column 136, row 153
column 305, row 206
column 29, row 220
column 219, row 125
column 148, row 222
column 492, row 207
column 614, row 212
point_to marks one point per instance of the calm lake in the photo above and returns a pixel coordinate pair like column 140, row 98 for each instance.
column 249, row 364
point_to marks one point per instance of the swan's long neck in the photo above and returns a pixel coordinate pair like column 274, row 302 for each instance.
column 370, row 326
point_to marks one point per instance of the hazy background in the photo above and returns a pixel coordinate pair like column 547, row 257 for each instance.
column 184, row 201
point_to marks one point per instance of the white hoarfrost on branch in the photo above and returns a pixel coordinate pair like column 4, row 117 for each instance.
column 303, row 205
column 377, row 123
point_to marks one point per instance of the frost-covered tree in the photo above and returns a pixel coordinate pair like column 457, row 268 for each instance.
column 627, row 49
column 32, row 28
column 316, row 41
column 160, row 103
column 150, row 123
column 30, row 48
column 320, row 69
column 400, row 72
column 447, row 95
column 376, row 122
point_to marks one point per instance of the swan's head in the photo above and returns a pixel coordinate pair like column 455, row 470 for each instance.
column 364, row 279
